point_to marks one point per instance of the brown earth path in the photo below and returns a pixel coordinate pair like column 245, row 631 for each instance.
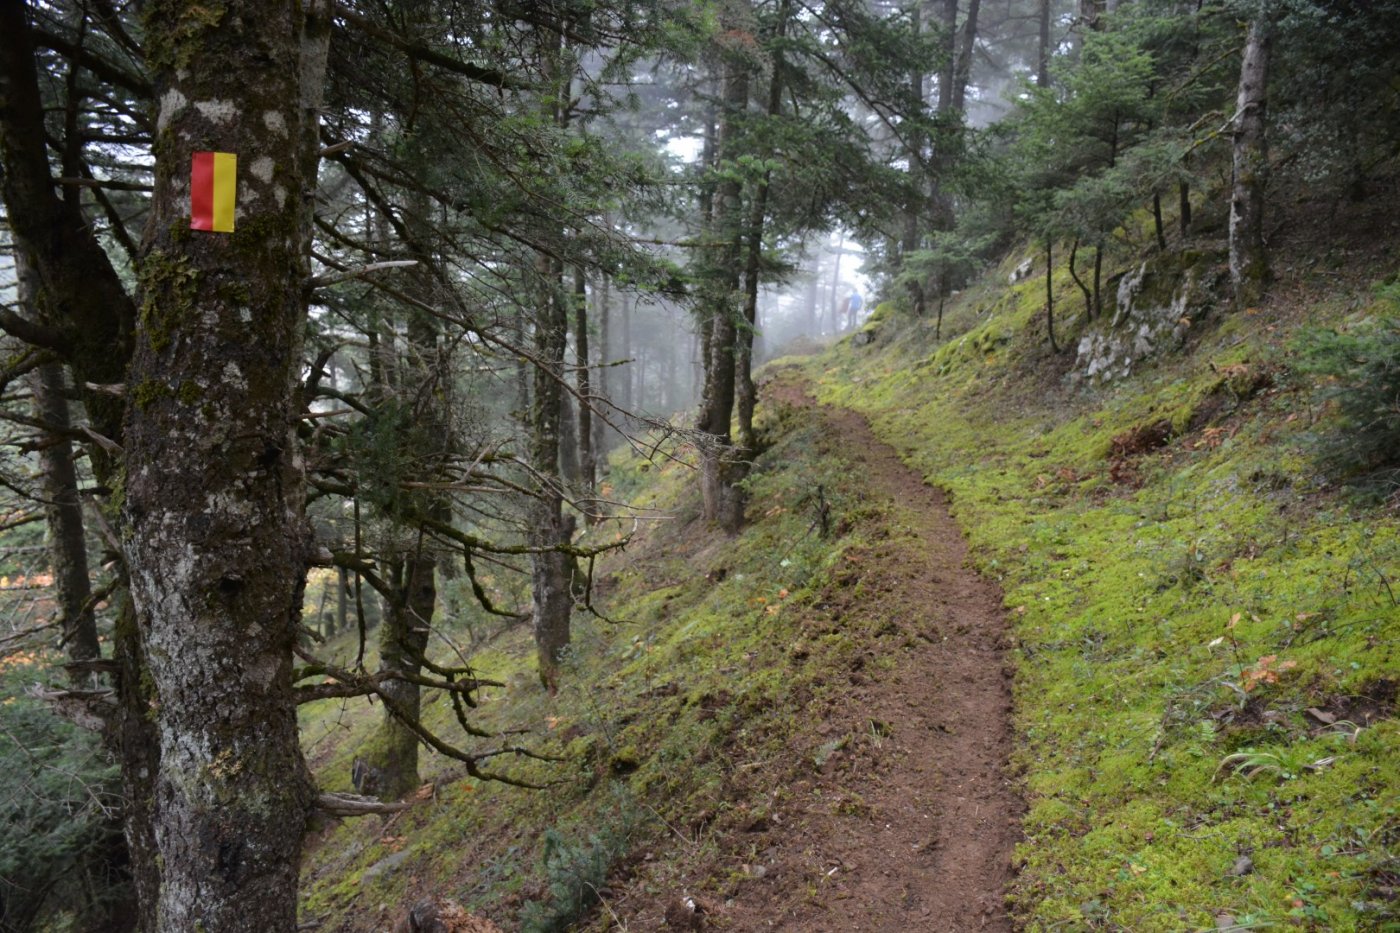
column 924, row 840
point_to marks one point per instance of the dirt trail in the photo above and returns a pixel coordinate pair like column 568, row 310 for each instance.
column 924, row 822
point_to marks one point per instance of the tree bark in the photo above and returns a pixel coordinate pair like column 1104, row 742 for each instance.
column 967, row 44
column 1249, row 261
column 587, row 462
column 63, row 510
column 1042, row 61
column 1183, row 196
column 719, row 469
column 1098, row 278
column 602, row 314
column 214, row 534
column 549, row 577
column 388, row 763
column 1074, row 274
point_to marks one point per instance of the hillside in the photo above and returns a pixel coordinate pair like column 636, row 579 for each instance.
column 1202, row 628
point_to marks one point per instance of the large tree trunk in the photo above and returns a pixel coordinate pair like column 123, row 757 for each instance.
column 216, row 542
column 719, row 469
column 1249, row 261
column 549, row 527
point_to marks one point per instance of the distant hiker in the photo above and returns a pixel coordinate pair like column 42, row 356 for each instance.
column 853, row 305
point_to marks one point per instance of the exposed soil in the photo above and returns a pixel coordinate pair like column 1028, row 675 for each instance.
column 911, row 822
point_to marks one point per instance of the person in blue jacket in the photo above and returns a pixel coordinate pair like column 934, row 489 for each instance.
column 853, row 305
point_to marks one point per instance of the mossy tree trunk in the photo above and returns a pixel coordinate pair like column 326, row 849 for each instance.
column 549, row 527
column 720, row 471
column 1249, row 260
column 215, row 537
column 389, row 760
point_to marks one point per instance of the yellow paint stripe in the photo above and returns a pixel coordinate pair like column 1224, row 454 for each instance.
column 225, row 190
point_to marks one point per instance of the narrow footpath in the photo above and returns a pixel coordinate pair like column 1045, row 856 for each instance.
column 922, row 834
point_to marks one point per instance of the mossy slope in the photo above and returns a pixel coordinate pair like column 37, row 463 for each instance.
column 1187, row 586
column 673, row 714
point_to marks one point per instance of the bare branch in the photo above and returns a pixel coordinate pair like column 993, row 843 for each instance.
column 355, row 805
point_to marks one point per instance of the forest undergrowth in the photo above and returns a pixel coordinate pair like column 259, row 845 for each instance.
column 1204, row 619
column 681, row 716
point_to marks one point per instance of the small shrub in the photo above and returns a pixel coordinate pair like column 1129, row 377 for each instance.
column 1360, row 373
column 576, row 872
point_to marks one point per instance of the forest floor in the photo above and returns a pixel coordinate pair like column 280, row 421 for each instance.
column 810, row 725
column 923, row 833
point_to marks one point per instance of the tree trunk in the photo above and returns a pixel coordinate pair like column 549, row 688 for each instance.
column 966, row 47
column 1157, row 222
column 1098, row 279
column 915, row 144
column 1183, row 192
column 85, row 314
column 1050, row 296
column 342, row 599
column 569, row 469
column 748, row 395
column 626, row 397
column 216, row 542
column 1042, row 61
column 603, row 315
column 836, row 282
column 549, row 577
column 387, row 765
column 719, row 470
column 1074, row 274
column 587, row 464
column 63, row 510
column 1249, row 261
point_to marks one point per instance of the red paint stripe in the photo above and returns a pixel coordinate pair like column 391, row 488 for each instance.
column 202, row 191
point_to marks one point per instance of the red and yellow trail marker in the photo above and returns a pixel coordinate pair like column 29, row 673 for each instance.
column 213, row 189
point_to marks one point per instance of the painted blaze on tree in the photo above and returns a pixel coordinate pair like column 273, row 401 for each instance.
column 215, row 537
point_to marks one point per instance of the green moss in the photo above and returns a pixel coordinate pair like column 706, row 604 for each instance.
column 173, row 27
column 169, row 285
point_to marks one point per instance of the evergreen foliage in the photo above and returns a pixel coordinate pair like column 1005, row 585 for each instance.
column 1360, row 376
column 59, row 806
